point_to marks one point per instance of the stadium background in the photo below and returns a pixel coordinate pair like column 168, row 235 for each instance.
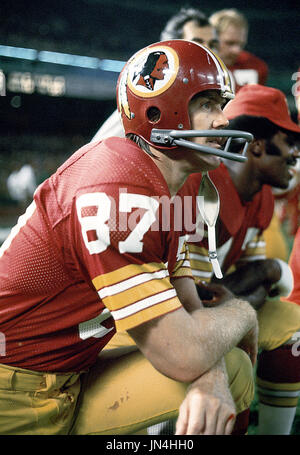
column 61, row 59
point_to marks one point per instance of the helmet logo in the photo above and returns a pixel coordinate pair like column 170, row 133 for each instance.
column 152, row 70
column 148, row 74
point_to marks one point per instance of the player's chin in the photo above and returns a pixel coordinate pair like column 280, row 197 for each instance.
column 283, row 183
column 210, row 162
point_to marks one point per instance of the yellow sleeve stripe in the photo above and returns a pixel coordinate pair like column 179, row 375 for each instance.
column 138, row 280
column 125, row 273
column 200, row 263
column 182, row 272
column 186, row 263
column 193, row 248
column 142, row 304
column 201, row 266
column 134, row 317
column 135, row 293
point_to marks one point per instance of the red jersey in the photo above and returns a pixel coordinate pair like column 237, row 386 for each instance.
column 239, row 227
column 88, row 257
column 248, row 69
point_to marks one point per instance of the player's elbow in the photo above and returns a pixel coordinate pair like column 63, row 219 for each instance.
column 186, row 367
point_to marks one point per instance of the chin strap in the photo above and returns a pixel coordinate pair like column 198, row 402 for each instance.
column 209, row 205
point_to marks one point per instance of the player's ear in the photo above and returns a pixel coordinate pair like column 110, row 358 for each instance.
column 257, row 147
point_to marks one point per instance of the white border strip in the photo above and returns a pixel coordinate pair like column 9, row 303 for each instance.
column 143, row 304
column 131, row 282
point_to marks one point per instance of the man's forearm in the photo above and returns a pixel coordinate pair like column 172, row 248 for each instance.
column 208, row 407
column 224, row 327
column 223, row 324
column 214, row 381
column 185, row 345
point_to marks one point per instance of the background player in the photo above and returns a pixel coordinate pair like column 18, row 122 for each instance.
column 246, row 209
column 232, row 31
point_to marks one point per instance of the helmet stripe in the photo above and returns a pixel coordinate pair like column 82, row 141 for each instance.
column 222, row 70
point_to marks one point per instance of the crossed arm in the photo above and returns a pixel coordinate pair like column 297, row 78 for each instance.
column 189, row 344
column 256, row 280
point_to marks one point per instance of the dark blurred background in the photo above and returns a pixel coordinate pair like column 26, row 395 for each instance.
column 53, row 103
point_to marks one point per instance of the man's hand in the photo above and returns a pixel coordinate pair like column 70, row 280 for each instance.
column 213, row 294
column 208, row 408
column 257, row 297
column 253, row 281
column 249, row 277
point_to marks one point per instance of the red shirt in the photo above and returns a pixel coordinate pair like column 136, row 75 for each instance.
column 238, row 222
column 87, row 258
column 248, row 69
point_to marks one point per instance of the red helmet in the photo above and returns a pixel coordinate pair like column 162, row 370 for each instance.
column 156, row 86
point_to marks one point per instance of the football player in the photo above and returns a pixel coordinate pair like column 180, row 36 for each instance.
column 246, row 209
column 90, row 257
column 232, row 30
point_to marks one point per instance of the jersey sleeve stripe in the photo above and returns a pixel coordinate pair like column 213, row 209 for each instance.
column 197, row 249
column 148, row 314
column 136, row 293
column 183, row 272
column 199, row 257
column 186, row 263
column 123, row 273
column 131, row 282
column 201, row 266
column 202, row 273
column 142, row 304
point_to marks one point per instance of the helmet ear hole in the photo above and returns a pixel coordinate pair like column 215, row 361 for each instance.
column 153, row 114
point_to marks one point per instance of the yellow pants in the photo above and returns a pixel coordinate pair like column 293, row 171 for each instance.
column 127, row 395
column 276, row 244
column 120, row 396
column 278, row 321
column 33, row 403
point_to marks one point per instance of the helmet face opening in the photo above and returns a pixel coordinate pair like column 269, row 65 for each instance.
column 178, row 138
column 155, row 88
